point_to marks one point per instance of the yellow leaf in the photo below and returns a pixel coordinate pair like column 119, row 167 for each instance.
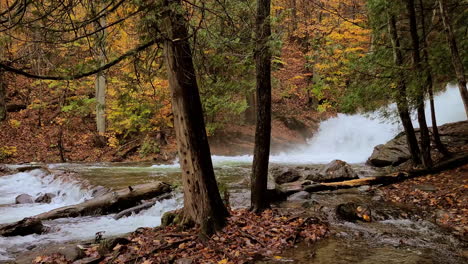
column 277, row 257
column 224, row 261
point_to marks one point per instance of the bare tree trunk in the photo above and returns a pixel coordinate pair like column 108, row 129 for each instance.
column 3, row 107
column 263, row 128
column 456, row 60
column 429, row 84
column 100, row 82
column 401, row 98
column 202, row 201
column 425, row 137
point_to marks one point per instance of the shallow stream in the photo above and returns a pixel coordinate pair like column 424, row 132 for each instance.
column 391, row 239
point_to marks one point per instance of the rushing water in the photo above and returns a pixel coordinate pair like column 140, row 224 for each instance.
column 347, row 137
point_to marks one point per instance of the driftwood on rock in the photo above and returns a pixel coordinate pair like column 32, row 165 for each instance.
column 109, row 203
column 444, row 165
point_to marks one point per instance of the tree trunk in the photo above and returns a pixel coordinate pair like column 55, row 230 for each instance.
column 250, row 112
column 3, row 106
column 425, row 137
column 263, row 127
column 100, row 82
column 202, row 201
column 294, row 14
column 401, row 98
column 429, row 84
column 456, row 60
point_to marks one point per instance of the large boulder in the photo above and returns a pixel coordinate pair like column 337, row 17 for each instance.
column 45, row 198
column 396, row 152
column 393, row 153
column 283, row 175
column 24, row 199
column 336, row 170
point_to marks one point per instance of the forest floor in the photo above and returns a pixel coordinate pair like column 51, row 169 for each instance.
column 246, row 238
column 444, row 196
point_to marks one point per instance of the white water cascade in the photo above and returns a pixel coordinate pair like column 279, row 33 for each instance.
column 352, row 138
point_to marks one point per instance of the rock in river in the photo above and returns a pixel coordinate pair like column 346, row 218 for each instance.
column 24, row 199
column 336, row 170
column 285, row 174
column 45, row 198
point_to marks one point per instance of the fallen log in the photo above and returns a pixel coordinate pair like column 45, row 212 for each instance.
column 389, row 179
column 106, row 204
column 139, row 208
column 109, row 203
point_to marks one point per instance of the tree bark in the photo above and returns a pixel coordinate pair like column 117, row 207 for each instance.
column 202, row 201
column 250, row 112
column 401, row 97
column 425, row 137
column 456, row 60
column 100, row 82
column 263, row 127
column 429, row 84
column 3, row 106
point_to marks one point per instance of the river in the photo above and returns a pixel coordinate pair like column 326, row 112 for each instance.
column 347, row 137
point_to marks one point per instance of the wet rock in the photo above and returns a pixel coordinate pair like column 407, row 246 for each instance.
column 396, row 152
column 310, row 204
column 24, row 227
column 352, row 212
column 71, row 252
column 302, row 195
column 24, row 199
column 29, row 168
column 336, row 170
column 283, row 175
column 393, row 153
column 45, row 198
column 364, row 188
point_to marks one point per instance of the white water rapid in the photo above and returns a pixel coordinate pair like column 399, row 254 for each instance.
column 69, row 192
column 35, row 183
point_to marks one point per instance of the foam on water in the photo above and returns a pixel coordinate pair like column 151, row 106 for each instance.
column 34, row 183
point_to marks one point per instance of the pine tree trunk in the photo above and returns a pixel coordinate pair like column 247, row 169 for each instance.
column 263, row 128
column 250, row 112
column 401, row 97
column 202, row 201
column 100, row 82
column 456, row 60
column 425, row 137
column 3, row 107
column 429, row 84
